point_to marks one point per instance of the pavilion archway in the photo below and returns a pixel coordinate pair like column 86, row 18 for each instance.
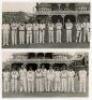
column 32, row 65
column 46, row 65
column 82, row 17
column 71, row 17
column 16, row 66
column 41, row 18
column 55, row 18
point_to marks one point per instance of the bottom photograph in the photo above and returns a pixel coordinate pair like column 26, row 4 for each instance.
column 45, row 74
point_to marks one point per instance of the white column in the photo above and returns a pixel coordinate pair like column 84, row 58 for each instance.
column 59, row 6
column 63, row 16
column 76, row 16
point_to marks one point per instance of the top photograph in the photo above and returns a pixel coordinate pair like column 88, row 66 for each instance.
column 45, row 25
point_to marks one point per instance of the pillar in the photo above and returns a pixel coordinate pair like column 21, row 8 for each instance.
column 38, row 64
column 59, row 6
column 49, row 17
column 63, row 16
column 76, row 18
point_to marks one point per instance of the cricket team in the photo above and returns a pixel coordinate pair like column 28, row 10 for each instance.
column 45, row 80
column 29, row 33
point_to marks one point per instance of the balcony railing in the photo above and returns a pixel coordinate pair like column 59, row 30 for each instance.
column 60, row 12
column 40, row 61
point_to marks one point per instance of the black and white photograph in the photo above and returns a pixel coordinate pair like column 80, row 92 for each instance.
column 45, row 74
column 45, row 25
column 46, row 49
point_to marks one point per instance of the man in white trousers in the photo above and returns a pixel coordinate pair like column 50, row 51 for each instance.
column 64, row 77
column 29, row 28
column 14, row 80
column 6, row 80
column 51, row 32
column 79, row 32
column 36, row 32
column 42, row 32
column 50, row 80
column 44, row 80
column 71, row 75
column 86, row 30
column 21, row 33
column 38, row 73
column 30, row 80
column 5, row 33
column 57, row 80
column 82, row 80
column 58, row 31
column 14, row 30
column 69, row 27
column 23, row 79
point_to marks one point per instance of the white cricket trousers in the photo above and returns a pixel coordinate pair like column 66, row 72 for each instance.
column 39, row 87
column 57, row 85
column 36, row 36
column 69, row 35
column 6, row 85
column 79, row 36
column 5, row 37
column 86, row 35
column 42, row 33
column 89, row 36
column 64, row 85
column 29, row 37
column 51, row 36
column 50, row 87
column 14, row 37
column 58, row 36
column 30, row 86
column 71, row 85
column 21, row 37
column 44, row 84
column 82, row 85
column 23, row 85
column 14, row 85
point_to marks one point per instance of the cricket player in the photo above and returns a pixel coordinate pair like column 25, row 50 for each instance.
column 14, row 80
column 57, row 80
column 30, row 80
column 21, row 33
column 36, row 32
column 86, row 29
column 51, row 32
column 23, row 79
column 39, row 86
column 14, row 30
column 50, row 80
column 69, row 27
column 82, row 80
column 6, row 32
column 64, row 76
column 44, row 80
column 6, row 80
column 71, row 75
column 42, row 32
column 79, row 32
column 58, row 31
column 29, row 28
